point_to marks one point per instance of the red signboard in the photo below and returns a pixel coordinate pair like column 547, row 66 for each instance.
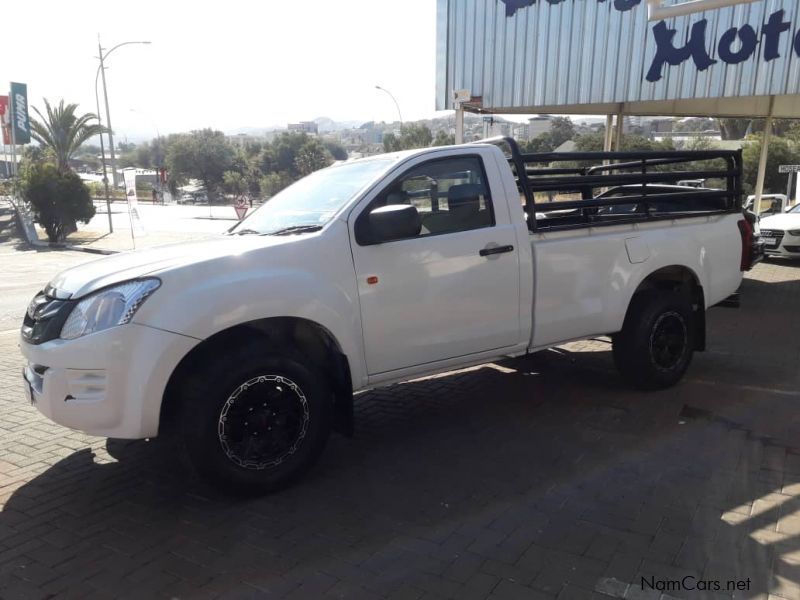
column 5, row 119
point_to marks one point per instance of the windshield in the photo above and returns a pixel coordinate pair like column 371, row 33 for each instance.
column 796, row 209
column 313, row 201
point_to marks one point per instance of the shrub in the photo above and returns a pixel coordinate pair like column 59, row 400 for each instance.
column 58, row 199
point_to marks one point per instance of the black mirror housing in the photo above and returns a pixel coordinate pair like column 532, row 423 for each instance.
column 394, row 222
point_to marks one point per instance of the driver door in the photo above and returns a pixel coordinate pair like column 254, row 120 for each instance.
column 450, row 291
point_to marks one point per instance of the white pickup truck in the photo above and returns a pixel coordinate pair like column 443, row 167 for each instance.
column 376, row 271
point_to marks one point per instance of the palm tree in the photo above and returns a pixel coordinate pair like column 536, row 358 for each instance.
column 63, row 132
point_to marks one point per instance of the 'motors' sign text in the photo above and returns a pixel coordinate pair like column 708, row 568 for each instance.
column 735, row 45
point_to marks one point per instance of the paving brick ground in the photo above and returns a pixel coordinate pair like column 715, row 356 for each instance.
column 537, row 478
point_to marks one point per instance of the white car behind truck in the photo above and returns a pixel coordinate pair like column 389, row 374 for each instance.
column 781, row 233
column 251, row 346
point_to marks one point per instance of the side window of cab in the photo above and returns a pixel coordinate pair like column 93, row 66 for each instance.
column 441, row 196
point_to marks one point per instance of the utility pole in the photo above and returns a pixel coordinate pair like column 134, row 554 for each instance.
column 103, row 151
column 102, row 58
column 108, row 117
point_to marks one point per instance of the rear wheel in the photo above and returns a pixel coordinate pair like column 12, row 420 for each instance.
column 657, row 341
column 252, row 423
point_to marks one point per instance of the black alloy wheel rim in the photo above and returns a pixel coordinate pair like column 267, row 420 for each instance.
column 263, row 422
column 668, row 341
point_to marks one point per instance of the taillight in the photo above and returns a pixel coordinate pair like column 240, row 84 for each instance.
column 746, row 231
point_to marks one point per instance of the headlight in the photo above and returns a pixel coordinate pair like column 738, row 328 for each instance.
column 108, row 308
column 795, row 232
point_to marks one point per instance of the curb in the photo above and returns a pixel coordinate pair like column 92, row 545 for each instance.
column 42, row 244
column 92, row 250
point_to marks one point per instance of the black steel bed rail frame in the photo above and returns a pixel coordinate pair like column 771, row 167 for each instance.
column 620, row 169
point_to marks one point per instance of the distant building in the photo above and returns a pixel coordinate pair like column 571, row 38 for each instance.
column 144, row 177
column 539, row 125
column 304, row 127
column 7, row 166
column 662, row 125
column 520, row 132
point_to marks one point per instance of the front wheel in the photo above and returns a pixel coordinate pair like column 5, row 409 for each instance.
column 253, row 423
column 657, row 341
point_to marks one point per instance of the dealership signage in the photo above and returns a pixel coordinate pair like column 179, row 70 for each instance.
column 736, row 45
column 648, row 57
column 20, row 121
column 5, row 120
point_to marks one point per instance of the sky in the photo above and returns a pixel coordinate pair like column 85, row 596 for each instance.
column 228, row 64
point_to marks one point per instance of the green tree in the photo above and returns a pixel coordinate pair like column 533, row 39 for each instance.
column 284, row 153
column 411, row 136
column 272, row 183
column 781, row 152
column 235, row 184
column 444, row 139
column 541, row 143
column 312, row 156
column 336, row 150
column 63, row 131
column 561, row 130
column 58, row 199
column 203, row 155
column 733, row 129
column 152, row 154
column 593, row 142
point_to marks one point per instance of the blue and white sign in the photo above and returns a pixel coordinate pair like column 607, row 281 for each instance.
column 595, row 56
column 20, row 120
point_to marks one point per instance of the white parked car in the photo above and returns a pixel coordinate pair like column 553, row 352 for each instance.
column 781, row 233
column 372, row 272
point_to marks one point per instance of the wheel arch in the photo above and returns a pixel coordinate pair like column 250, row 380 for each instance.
column 678, row 278
column 314, row 341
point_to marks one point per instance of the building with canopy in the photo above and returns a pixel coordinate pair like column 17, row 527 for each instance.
column 712, row 58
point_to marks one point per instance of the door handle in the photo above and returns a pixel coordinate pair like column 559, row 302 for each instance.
column 496, row 250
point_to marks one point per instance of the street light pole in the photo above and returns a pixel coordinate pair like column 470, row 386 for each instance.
column 103, row 153
column 103, row 57
column 399, row 114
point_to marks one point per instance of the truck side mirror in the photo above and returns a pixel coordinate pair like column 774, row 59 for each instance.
column 394, row 222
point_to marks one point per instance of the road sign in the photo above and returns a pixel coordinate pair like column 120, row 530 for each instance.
column 241, row 210
column 789, row 169
column 461, row 96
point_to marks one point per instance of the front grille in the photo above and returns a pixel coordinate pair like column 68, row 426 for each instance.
column 776, row 235
column 44, row 318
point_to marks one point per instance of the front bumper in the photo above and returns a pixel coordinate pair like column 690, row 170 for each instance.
column 109, row 383
column 781, row 243
column 783, row 250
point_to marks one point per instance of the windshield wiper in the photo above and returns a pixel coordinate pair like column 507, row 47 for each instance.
column 246, row 232
column 295, row 229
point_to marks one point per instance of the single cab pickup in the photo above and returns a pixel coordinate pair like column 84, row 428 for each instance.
column 379, row 270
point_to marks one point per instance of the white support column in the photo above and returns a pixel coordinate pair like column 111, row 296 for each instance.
column 618, row 132
column 797, row 189
column 459, row 124
column 609, row 129
column 762, row 163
